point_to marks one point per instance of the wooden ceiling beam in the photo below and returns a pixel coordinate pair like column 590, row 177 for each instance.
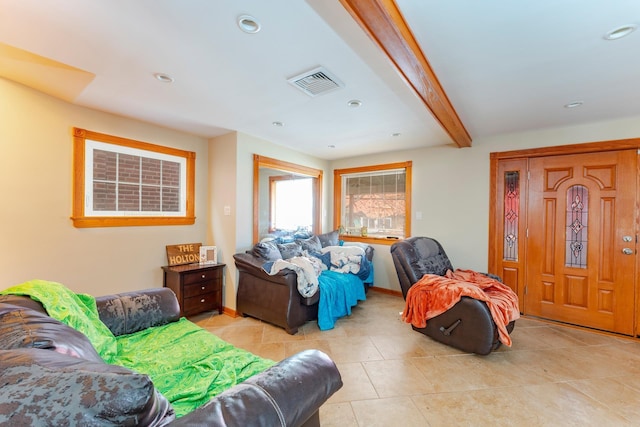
column 383, row 22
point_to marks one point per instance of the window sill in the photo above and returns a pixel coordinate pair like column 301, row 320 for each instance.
column 88, row 222
column 370, row 240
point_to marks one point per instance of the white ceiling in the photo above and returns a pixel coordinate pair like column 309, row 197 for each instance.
column 506, row 66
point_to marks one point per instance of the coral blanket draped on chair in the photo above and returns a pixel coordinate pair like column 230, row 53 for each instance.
column 433, row 295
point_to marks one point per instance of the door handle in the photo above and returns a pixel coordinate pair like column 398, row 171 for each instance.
column 627, row 251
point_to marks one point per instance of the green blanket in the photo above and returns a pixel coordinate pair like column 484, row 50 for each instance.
column 186, row 363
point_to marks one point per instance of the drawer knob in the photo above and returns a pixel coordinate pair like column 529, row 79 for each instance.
column 202, row 288
column 202, row 300
column 203, row 276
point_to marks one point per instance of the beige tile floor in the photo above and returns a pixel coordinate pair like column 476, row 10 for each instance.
column 553, row 375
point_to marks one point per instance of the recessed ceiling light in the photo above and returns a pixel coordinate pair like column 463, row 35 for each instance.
column 573, row 104
column 620, row 32
column 278, row 124
column 248, row 24
column 164, row 78
column 354, row 103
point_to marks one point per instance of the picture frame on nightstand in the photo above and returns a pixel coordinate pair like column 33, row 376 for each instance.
column 208, row 255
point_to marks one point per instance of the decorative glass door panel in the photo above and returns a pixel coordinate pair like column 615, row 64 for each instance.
column 511, row 215
column 576, row 226
column 506, row 246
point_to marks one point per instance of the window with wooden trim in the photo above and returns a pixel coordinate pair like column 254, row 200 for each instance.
column 373, row 203
column 123, row 182
column 291, row 202
column 263, row 206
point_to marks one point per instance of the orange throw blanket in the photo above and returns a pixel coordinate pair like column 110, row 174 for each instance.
column 433, row 295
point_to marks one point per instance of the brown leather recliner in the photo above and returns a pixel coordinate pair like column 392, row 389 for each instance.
column 468, row 325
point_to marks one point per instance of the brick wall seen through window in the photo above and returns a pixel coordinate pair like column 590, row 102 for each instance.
column 119, row 182
column 124, row 182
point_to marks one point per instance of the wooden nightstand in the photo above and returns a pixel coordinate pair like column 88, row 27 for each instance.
column 198, row 287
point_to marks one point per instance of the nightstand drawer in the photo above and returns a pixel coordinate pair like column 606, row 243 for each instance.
column 199, row 276
column 200, row 303
column 196, row 289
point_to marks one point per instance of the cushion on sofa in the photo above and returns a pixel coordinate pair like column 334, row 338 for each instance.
column 290, row 250
column 312, row 244
column 324, row 257
column 22, row 301
column 133, row 311
column 329, row 239
column 267, row 250
column 25, row 328
column 75, row 310
column 41, row 387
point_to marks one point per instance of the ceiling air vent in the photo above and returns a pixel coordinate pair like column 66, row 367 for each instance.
column 316, row 82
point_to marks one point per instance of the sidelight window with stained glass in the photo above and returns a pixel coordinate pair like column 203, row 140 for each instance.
column 576, row 226
column 511, row 214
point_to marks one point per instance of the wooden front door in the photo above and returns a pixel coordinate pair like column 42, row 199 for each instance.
column 581, row 245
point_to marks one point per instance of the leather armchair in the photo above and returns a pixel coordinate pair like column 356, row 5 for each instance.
column 468, row 325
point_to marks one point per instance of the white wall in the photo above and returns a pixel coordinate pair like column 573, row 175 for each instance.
column 37, row 238
column 231, row 183
column 222, row 185
column 247, row 147
column 451, row 188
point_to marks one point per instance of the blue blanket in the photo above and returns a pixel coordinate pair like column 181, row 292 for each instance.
column 338, row 293
column 366, row 271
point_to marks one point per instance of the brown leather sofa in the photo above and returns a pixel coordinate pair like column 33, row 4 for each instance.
column 51, row 374
column 275, row 298
column 272, row 298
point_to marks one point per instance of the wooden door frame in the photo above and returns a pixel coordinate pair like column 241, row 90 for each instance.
column 591, row 147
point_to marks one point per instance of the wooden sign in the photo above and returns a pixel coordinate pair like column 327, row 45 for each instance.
column 186, row 253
